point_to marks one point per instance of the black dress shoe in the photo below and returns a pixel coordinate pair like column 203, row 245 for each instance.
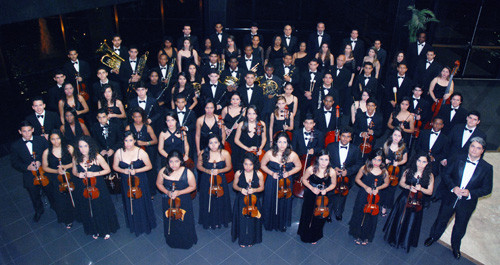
column 429, row 241
column 456, row 253
column 338, row 218
column 37, row 217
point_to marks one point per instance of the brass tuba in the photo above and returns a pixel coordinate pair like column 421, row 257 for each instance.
column 110, row 57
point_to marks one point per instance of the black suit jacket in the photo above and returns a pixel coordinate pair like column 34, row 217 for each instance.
column 319, row 95
column 423, row 77
column 353, row 161
column 359, row 50
column 456, row 135
column 255, row 60
column 152, row 108
column 381, row 57
column 257, row 96
column 192, row 38
column 320, row 119
column 405, row 90
column 217, row 45
column 54, row 94
column 299, row 144
column 205, row 71
column 51, row 121
column 425, row 110
column 479, row 185
column 440, row 148
column 71, row 73
column 413, row 57
column 279, row 71
column 21, row 158
column 361, row 125
column 370, row 87
column 239, row 74
column 312, row 43
column 445, row 114
column 305, row 83
column 220, row 94
column 98, row 91
column 341, row 83
column 293, row 47
column 115, row 136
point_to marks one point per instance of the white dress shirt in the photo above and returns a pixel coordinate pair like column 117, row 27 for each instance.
column 468, row 172
column 40, row 117
column 117, row 50
column 328, row 116
column 320, row 38
column 213, row 87
column 420, row 47
column 428, row 63
column 432, row 138
column 400, row 80
column 249, row 93
column 29, row 145
column 248, row 62
column 453, row 112
column 343, row 153
column 415, row 102
column 133, row 64
column 181, row 115
column 353, row 43
column 76, row 64
column 306, row 137
column 142, row 105
column 467, row 134
column 287, row 39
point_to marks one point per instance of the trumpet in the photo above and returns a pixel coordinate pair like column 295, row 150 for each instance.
column 110, row 58
column 254, row 68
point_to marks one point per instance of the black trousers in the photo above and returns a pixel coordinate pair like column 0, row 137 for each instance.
column 35, row 193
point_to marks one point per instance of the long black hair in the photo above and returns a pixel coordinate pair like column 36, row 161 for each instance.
column 369, row 164
column 206, row 151
column 173, row 114
column 397, row 109
column 288, row 149
column 174, row 153
column 244, row 128
column 401, row 144
column 103, row 100
column 64, row 144
column 316, row 162
column 252, row 158
column 93, row 149
column 412, row 170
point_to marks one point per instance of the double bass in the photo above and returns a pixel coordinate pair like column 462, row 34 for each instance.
column 334, row 136
column 39, row 178
column 65, row 184
column 366, row 146
column 215, row 188
column 134, row 192
column 174, row 211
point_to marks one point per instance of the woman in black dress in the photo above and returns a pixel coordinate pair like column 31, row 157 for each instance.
column 232, row 114
column 278, row 163
column 71, row 100
column 319, row 179
column 167, row 49
column 292, row 102
column 186, row 56
column 155, row 87
column 396, row 154
column 194, row 76
column 56, row 160
column 258, row 51
column 275, row 52
column 109, row 101
column 281, row 119
column 215, row 212
column 372, row 178
column 132, row 162
column 402, row 228
column 186, row 90
column 402, row 118
column 97, row 215
column 176, row 181
column 301, row 58
column 173, row 138
column 73, row 128
column 393, row 67
column 206, row 52
column 437, row 88
column 207, row 124
column 247, row 182
column 350, row 62
column 325, row 58
column 231, row 51
column 250, row 137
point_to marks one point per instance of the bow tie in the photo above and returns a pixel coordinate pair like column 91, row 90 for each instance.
column 473, row 163
column 435, row 133
column 75, row 62
column 163, row 68
column 116, row 49
column 214, row 86
column 320, row 35
column 468, row 130
column 314, row 73
column 452, row 109
column 421, row 44
column 39, row 116
column 417, row 99
column 354, row 41
column 287, row 67
column 368, row 117
column 345, row 146
column 219, row 34
column 181, row 112
column 328, row 111
column 142, row 101
column 212, row 65
column 287, row 37
column 307, row 133
column 232, row 72
column 250, row 88
column 133, row 61
column 27, row 141
column 402, row 77
column 429, row 62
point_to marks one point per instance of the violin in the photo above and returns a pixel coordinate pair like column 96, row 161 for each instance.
column 342, row 187
column 334, row 136
column 258, row 131
column 82, row 88
column 418, row 124
column 90, row 192
column 372, row 207
column 366, row 146
column 134, row 192
column 39, row 175
column 259, row 128
column 414, row 200
column 321, row 209
column 227, row 145
column 284, row 190
column 65, row 184
column 286, row 114
column 393, row 174
column 250, row 210
column 215, row 188
column 174, row 211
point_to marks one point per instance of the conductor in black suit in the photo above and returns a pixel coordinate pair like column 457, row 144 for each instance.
column 290, row 42
column 454, row 113
column 76, row 69
column 358, row 47
column 317, row 38
column 426, row 70
column 325, row 117
column 368, row 123
column 43, row 121
column 26, row 156
column 417, row 51
column 462, row 133
column 219, row 39
column 346, row 160
column 186, row 34
column 250, row 93
column 467, row 179
column 307, row 139
column 215, row 91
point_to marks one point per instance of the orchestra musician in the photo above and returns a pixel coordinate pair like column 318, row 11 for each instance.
column 43, row 121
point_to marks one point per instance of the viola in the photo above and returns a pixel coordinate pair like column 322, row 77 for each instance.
column 82, row 88
column 39, row 175
column 322, row 209
column 174, row 211
column 65, row 182
column 366, row 146
column 342, row 187
column 259, row 128
column 334, row 136
column 372, row 207
column 393, row 174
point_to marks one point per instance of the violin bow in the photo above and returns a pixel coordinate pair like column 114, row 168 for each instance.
column 67, row 183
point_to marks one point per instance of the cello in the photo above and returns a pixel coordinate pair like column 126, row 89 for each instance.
column 39, row 175
column 342, row 186
column 134, row 192
column 334, row 136
column 215, row 188
column 90, row 192
column 366, row 146
column 174, row 211
column 321, row 209
column 65, row 184
column 371, row 207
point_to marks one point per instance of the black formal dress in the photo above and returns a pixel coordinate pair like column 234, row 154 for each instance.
column 310, row 226
column 283, row 219
column 152, row 151
column 97, row 215
column 206, row 131
column 182, row 232
column 63, row 206
column 255, row 140
column 70, row 136
column 139, row 215
column 358, row 49
column 220, row 208
column 387, row 194
column 248, row 230
column 230, row 122
column 173, row 142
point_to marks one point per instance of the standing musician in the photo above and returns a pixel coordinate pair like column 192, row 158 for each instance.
column 249, row 183
column 291, row 100
column 55, row 92
column 417, row 51
column 365, row 119
column 133, row 164
column 269, row 100
column 325, row 89
column 215, row 203
column 250, row 93
column 467, row 179
column 128, row 69
column 316, row 39
column 107, row 135
column 235, row 71
column 420, row 107
column 204, row 130
column 173, row 138
column 99, row 87
column 308, row 140
column 249, row 137
column 365, row 82
column 72, row 100
column 176, row 182
column 326, row 118
column 113, row 106
column 310, row 83
column 187, row 121
column 403, row 88
column 357, row 46
column 26, row 158
column 346, row 161
column 286, row 71
column 73, row 128
column 426, row 71
column 454, row 113
column 163, row 68
column 215, row 91
column 249, row 62
column 56, row 161
column 43, row 121
column 341, row 78
column 212, row 65
column 281, row 119
column 185, row 89
column 232, row 114
column 149, row 105
column 247, row 38
column 461, row 134
column 76, row 69
column 280, row 164
column 372, row 178
column 96, row 209
column 320, row 179
column 290, row 42
column 186, row 34
column 219, row 38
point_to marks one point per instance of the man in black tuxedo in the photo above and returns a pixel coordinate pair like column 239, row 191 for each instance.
column 55, row 93
column 247, row 38
column 236, row 72
column 187, row 120
column 122, row 51
column 454, row 113
column 462, row 133
column 250, row 93
column 215, row 91
column 368, row 123
column 164, row 66
column 249, row 61
column 310, row 83
column 381, row 54
column 269, row 101
column 420, row 107
column 317, row 38
column 326, row 118
column 219, row 39
column 417, row 51
column 128, row 70
column 154, row 113
column 43, row 121
column 365, row 82
column 326, row 89
column 426, row 70
column 358, row 47
column 402, row 84
column 341, row 79
column 108, row 135
column 290, row 42
column 186, row 34
column 466, row 180
column 25, row 157
column 435, row 143
column 100, row 86
column 308, row 140
column 76, row 69
column 212, row 65
column 286, row 71
column 346, row 160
